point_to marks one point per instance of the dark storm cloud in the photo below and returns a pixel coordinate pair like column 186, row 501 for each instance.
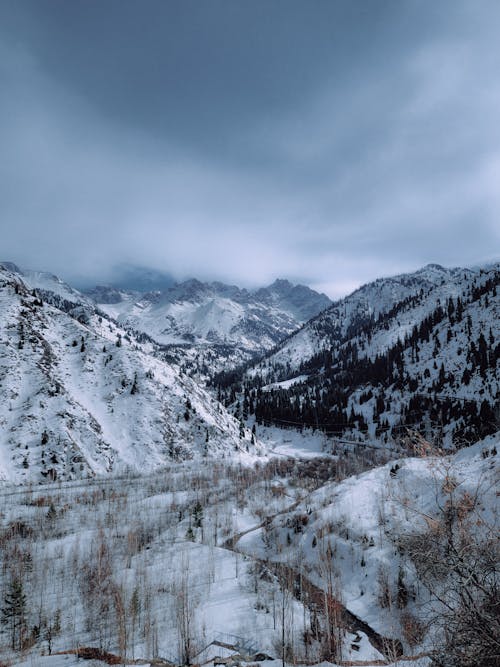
column 329, row 142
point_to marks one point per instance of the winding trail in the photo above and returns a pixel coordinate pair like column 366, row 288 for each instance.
column 316, row 599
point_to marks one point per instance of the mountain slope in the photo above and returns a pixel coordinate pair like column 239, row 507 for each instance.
column 419, row 351
column 367, row 305
column 79, row 396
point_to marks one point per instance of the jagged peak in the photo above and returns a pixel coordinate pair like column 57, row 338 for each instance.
column 281, row 283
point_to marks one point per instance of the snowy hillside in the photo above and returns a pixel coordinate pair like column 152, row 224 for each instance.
column 296, row 560
column 211, row 326
column 79, row 396
column 369, row 304
column 51, row 288
column 374, row 539
column 418, row 351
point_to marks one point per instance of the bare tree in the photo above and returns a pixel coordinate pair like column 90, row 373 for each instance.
column 185, row 605
column 457, row 560
column 134, row 609
column 285, row 610
column 96, row 587
column 332, row 605
column 120, row 609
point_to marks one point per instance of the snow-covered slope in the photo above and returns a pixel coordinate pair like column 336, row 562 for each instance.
column 419, row 350
column 49, row 286
column 367, row 305
column 362, row 537
column 79, row 396
column 231, row 322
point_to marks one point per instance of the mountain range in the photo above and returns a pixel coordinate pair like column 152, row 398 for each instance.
column 111, row 380
column 115, row 462
column 207, row 327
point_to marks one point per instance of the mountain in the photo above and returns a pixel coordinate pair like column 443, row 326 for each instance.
column 299, row 300
column 363, row 307
column 418, row 351
column 210, row 326
column 48, row 285
column 80, row 396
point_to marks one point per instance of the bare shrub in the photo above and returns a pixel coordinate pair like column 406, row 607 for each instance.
column 414, row 630
column 457, row 559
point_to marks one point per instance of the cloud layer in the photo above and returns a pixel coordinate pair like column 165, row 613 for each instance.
column 324, row 142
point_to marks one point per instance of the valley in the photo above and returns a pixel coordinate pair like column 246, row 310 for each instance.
column 321, row 492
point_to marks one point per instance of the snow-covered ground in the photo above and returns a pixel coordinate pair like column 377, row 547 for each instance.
column 291, row 442
column 190, row 544
column 361, row 520
column 83, row 551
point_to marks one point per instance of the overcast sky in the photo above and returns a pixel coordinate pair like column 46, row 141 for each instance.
column 325, row 142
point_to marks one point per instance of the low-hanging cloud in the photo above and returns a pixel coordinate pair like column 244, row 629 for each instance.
column 368, row 174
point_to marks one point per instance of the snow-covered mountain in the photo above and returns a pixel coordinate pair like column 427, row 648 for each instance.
column 80, row 396
column 49, row 286
column 418, row 350
column 367, row 305
column 214, row 325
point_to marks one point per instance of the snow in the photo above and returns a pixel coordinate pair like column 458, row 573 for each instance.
column 411, row 299
column 63, row 661
column 285, row 384
column 133, row 466
column 220, row 582
column 363, row 516
column 74, row 383
column 293, row 443
column 374, row 299
column 202, row 317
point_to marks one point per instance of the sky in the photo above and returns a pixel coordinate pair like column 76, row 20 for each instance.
column 327, row 142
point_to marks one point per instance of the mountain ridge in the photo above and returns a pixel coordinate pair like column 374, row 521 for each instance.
column 374, row 363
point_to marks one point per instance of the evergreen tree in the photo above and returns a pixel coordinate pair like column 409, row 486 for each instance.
column 198, row 515
column 14, row 613
column 52, row 512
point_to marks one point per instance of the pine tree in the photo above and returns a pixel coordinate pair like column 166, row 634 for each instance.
column 14, row 613
column 198, row 515
column 52, row 512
